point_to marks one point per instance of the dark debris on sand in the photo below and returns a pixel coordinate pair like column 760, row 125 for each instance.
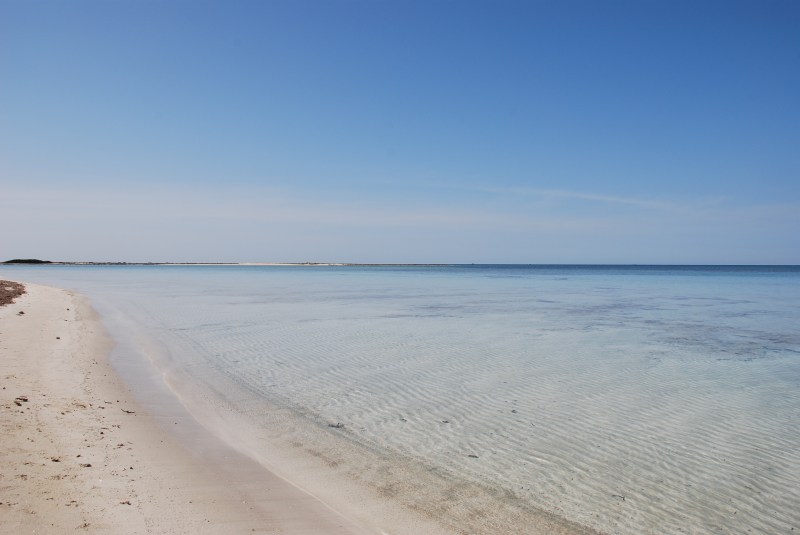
column 10, row 291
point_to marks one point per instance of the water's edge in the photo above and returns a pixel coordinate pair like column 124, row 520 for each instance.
column 626, row 399
column 316, row 455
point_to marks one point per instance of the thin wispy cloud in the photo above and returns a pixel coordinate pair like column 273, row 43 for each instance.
column 202, row 226
column 593, row 197
column 264, row 205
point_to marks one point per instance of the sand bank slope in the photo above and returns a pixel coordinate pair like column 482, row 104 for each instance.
column 77, row 453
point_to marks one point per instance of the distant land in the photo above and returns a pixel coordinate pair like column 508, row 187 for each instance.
column 27, row 261
column 58, row 263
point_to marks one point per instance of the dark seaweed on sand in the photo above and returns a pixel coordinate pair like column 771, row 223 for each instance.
column 10, row 291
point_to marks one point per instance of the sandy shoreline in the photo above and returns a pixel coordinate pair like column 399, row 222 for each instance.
column 80, row 454
column 89, row 451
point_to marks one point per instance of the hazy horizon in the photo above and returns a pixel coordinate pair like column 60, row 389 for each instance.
column 322, row 263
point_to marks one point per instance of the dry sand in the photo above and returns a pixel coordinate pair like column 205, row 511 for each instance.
column 77, row 452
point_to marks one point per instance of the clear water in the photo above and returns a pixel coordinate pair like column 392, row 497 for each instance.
column 626, row 399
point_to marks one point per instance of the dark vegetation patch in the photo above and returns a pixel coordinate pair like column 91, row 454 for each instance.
column 27, row 261
column 10, row 291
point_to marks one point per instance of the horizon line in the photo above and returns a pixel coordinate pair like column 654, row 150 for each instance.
column 33, row 262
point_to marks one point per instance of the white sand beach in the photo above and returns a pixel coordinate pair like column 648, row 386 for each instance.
column 79, row 454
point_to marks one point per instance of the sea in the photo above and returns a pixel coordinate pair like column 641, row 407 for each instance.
column 623, row 399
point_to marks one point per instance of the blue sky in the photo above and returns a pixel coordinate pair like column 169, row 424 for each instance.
column 401, row 131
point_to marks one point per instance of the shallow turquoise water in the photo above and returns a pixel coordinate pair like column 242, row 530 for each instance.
column 565, row 387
